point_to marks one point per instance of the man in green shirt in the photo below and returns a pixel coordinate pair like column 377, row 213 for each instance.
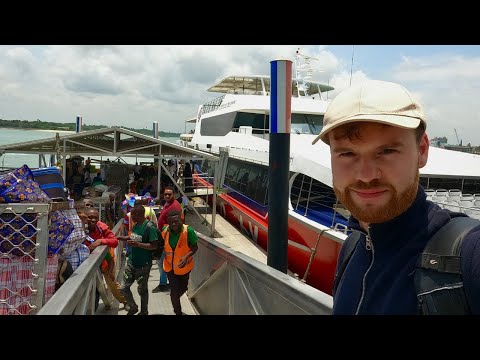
column 141, row 242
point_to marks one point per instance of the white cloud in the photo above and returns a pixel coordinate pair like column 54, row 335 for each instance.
column 136, row 85
column 448, row 88
column 122, row 85
column 342, row 80
column 439, row 68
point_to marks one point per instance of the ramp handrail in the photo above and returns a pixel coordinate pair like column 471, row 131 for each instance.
column 77, row 294
column 227, row 282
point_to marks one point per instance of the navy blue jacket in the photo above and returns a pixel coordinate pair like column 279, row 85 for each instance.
column 380, row 280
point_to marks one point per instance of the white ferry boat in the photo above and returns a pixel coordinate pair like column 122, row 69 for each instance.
column 239, row 120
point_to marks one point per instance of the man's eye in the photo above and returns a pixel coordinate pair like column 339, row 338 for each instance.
column 389, row 151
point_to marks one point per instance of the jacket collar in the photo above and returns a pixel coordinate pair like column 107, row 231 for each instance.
column 403, row 227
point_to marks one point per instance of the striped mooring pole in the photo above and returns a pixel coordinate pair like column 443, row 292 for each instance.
column 78, row 126
column 279, row 163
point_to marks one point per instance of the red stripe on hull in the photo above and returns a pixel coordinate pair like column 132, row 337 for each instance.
column 322, row 269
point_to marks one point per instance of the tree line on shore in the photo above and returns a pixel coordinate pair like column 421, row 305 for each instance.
column 48, row 125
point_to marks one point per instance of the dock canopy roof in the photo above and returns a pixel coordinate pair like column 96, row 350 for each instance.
column 112, row 141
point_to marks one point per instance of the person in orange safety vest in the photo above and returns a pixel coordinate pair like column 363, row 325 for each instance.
column 180, row 245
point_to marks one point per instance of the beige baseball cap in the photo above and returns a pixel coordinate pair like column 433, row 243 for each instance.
column 373, row 101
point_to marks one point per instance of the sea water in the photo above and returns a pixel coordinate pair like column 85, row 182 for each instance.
column 14, row 136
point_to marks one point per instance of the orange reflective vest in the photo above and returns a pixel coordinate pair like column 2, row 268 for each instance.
column 172, row 257
column 106, row 264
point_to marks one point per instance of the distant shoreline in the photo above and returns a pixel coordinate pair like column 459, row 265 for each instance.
column 40, row 130
column 165, row 135
column 68, row 128
column 59, row 131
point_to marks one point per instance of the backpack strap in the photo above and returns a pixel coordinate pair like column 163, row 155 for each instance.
column 348, row 248
column 149, row 225
column 146, row 231
column 438, row 274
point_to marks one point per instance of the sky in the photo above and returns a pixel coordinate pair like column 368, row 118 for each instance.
column 135, row 85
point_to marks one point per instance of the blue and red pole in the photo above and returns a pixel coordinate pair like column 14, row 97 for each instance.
column 279, row 163
column 78, row 124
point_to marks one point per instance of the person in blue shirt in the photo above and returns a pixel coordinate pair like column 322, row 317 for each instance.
column 97, row 179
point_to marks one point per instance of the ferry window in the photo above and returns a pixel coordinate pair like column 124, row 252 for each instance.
column 231, row 174
column 471, row 186
column 299, row 124
column 315, row 122
column 218, row 125
column 445, row 183
column 243, row 178
column 249, row 179
column 424, row 182
column 306, row 124
column 238, row 174
column 209, row 168
column 256, row 121
column 257, row 183
column 309, row 194
column 261, row 194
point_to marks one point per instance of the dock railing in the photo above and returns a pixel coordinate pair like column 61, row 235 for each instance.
column 223, row 282
column 227, row 282
column 77, row 294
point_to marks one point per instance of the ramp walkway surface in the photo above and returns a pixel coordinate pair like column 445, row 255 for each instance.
column 159, row 303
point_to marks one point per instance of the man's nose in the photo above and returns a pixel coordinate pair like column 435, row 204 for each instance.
column 367, row 169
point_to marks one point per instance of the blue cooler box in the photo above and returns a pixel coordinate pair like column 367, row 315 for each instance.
column 51, row 181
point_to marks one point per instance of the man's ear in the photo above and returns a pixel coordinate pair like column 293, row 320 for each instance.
column 423, row 148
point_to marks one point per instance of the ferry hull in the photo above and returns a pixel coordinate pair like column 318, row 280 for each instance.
column 302, row 242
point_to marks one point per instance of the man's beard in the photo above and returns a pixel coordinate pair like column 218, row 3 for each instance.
column 397, row 204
